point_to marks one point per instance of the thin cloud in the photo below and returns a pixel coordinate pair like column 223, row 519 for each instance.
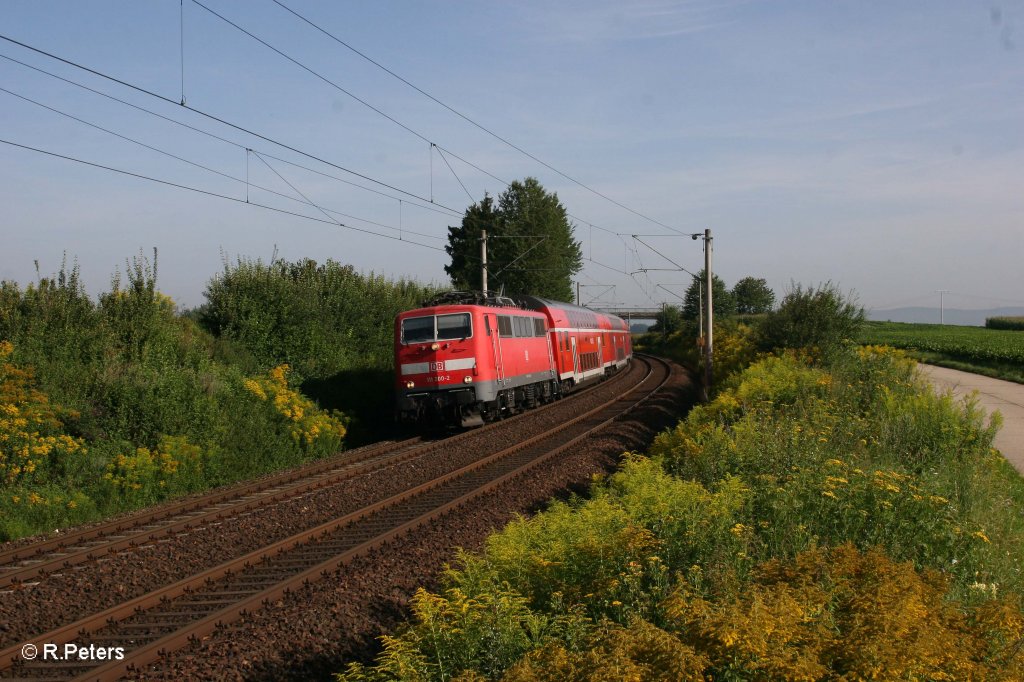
column 634, row 21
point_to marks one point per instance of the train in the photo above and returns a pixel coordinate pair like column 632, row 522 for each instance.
column 467, row 358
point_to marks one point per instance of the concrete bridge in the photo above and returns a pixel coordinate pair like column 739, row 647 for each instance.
column 632, row 313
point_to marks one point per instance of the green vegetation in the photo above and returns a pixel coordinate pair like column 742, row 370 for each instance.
column 668, row 321
column 723, row 301
column 993, row 352
column 111, row 404
column 530, row 247
column 1011, row 323
column 820, row 318
column 735, row 346
column 321, row 319
column 753, row 296
column 333, row 326
column 819, row 520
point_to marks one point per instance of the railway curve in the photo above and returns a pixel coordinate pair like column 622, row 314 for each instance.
column 174, row 615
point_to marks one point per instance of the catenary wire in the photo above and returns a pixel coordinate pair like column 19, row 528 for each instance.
column 445, row 159
column 426, row 202
column 435, row 207
column 408, row 128
column 249, row 132
column 215, row 118
column 471, row 121
column 204, row 167
column 213, row 194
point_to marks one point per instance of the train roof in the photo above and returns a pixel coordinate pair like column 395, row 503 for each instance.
column 536, row 303
column 526, row 303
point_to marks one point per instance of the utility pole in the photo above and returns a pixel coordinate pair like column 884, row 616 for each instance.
column 709, row 289
column 483, row 261
column 579, row 301
column 941, row 309
column 700, row 305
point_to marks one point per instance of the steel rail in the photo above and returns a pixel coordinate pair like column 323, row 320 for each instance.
column 30, row 562
column 118, row 535
column 149, row 652
column 154, row 650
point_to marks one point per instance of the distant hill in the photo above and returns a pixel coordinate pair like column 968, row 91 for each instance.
column 974, row 318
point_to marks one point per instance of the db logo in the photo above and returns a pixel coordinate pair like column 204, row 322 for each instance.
column 437, row 366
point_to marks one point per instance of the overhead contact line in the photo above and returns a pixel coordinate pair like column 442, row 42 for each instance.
column 470, row 120
column 222, row 121
column 417, row 134
column 211, row 170
column 215, row 194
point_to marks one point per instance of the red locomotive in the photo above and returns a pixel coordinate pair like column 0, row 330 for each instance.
column 466, row 358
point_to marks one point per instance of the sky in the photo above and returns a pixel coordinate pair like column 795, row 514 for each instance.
column 875, row 145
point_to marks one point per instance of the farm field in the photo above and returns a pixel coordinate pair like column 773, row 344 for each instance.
column 992, row 352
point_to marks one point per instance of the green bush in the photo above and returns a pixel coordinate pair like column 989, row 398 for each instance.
column 1011, row 323
column 821, row 318
column 127, row 403
column 319, row 319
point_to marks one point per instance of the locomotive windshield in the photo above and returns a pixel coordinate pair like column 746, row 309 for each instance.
column 453, row 326
column 416, row 329
column 439, row 328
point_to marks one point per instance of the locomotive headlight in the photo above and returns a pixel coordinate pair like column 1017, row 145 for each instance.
column 410, row 384
column 435, row 346
column 467, row 379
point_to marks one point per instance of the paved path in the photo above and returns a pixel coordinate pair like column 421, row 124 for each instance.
column 993, row 394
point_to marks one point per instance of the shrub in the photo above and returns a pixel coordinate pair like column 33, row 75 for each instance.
column 318, row 318
column 466, row 634
column 856, row 614
column 306, row 424
column 114, row 404
column 34, row 445
column 735, row 347
column 614, row 653
column 812, row 318
column 1011, row 323
column 834, row 520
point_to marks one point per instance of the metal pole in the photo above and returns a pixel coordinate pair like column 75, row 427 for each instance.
column 941, row 308
column 709, row 288
column 483, row 260
column 579, row 301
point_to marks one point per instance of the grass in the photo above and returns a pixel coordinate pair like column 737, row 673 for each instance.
column 996, row 353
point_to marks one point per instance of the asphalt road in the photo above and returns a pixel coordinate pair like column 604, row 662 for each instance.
column 993, row 394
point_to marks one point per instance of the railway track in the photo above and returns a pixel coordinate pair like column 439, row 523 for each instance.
column 167, row 618
column 32, row 562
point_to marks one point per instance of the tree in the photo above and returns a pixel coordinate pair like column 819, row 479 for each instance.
column 753, row 296
column 668, row 320
column 810, row 317
column 722, row 301
column 530, row 245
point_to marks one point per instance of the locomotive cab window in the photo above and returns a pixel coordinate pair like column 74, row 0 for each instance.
column 418, row 329
column 436, row 328
column 455, row 326
column 504, row 325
